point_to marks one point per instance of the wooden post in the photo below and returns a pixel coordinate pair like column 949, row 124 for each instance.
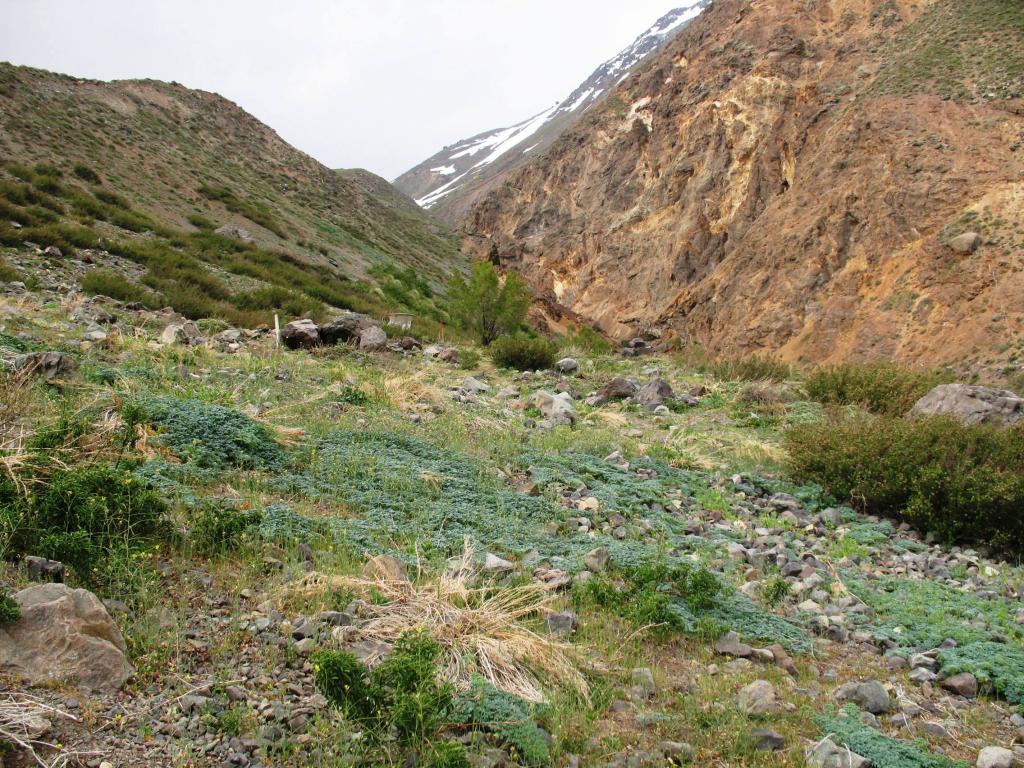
column 277, row 330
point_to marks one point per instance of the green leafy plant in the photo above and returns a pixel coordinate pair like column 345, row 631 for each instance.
column 10, row 611
column 484, row 305
column 508, row 718
column 218, row 528
column 469, row 359
column 963, row 483
column 523, row 353
column 774, row 591
column 881, row 388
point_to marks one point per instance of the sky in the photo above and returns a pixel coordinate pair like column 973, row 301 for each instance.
column 376, row 84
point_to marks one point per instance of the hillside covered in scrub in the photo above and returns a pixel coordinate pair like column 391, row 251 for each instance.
column 225, row 218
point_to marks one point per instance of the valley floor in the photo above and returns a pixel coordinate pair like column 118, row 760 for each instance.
column 334, row 457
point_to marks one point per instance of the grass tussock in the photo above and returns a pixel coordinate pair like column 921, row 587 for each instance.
column 482, row 631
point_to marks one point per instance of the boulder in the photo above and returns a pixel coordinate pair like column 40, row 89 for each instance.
column 239, row 233
column 182, row 333
column 654, row 393
column 967, row 243
column 827, row 754
column 995, row 757
column 616, row 389
column 64, row 634
column 759, row 698
column 870, row 696
column 372, row 339
column 300, row 334
column 49, row 365
column 385, row 567
column 346, row 327
column 558, row 408
column 596, row 560
column 964, row 684
column 972, row 404
column 567, row 365
column 41, row 569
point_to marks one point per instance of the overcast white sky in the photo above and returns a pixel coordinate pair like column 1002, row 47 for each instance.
column 378, row 84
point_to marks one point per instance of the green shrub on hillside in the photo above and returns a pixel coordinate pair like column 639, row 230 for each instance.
column 962, row 483
column 882, row 388
column 255, row 212
column 79, row 515
column 523, row 353
column 274, row 298
column 10, row 611
column 207, row 435
column 107, row 282
column 752, row 368
column 484, row 305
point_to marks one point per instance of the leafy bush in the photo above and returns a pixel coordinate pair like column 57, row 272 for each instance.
column 963, row 483
column 469, row 359
column 10, row 611
column 275, row 298
column 85, row 173
column 486, row 307
column 107, row 282
column 587, row 338
column 255, row 212
column 752, row 368
column 8, row 273
column 400, row 694
column 80, row 514
column 523, row 353
column 774, row 591
column 646, row 594
column 218, row 528
column 507, row 717
column 882, row 388
column 209, row 436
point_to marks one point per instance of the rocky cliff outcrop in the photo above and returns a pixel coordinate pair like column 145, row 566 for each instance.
column 787, row 176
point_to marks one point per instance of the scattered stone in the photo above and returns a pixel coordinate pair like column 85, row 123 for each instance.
column 653, row 393
column 967, row 243
column 557, row 409
column 386, row 568
column 49, row 365
column 729, row 645
column 995, row 757
column 562, row 624
column 567, row 365
column 372, row 339
column 474, row 386
column 871, row 696
column 616, row 389
column 759, row 698
column 187, row 334
column 300, row 334
column 972, row 404
column 495, row 564
column 964, row 684
column 676, row 752
column 827, row 754
column 64, row 634
column 596, row 560
column 767, row 740
column 41, row 569
column 346, row 327
column 643, row 680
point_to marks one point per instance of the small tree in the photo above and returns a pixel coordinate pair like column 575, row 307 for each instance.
column 484, row 305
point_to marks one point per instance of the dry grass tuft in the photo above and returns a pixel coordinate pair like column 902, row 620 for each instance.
column 480, row 628
column 410, row 389
column 24, row 720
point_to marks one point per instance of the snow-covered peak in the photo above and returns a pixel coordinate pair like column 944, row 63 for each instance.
column 472, row 159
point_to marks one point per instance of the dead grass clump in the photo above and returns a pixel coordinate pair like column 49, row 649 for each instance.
column 480, row 629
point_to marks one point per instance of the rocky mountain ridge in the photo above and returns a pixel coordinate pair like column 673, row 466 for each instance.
column 789, row 177
column 449, row 181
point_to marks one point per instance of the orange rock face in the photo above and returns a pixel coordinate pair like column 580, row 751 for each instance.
column 786, row 176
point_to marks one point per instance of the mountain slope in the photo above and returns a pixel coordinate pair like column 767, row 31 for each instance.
column 451, row 180
column 186, row 162
column 786, row 177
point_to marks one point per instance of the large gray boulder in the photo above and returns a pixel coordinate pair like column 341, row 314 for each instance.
column 64, row 634
column 300, row 334
column 972, row 404
column 555, row 408
column 967, row 243
column 654, row 393
column 346, row 327
column 373, row 339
